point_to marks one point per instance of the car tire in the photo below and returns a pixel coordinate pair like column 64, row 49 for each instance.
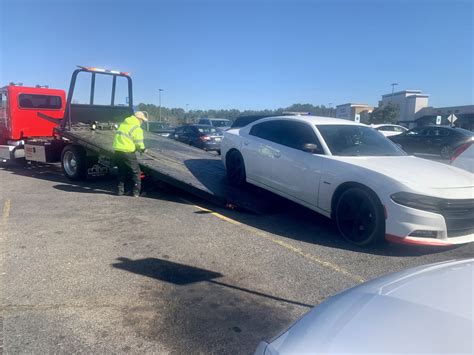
column 235, row 168
column 447, row 152
column 360, row 217
column 73, row 162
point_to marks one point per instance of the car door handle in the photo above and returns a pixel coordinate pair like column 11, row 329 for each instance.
column 246, row 143
column 276, row 154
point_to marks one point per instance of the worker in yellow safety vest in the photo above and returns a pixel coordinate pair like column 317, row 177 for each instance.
column 128, row 141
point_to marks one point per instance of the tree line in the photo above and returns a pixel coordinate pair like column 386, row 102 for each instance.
column 178, row 116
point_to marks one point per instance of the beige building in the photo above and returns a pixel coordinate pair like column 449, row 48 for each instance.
column 409, row 103
column 350, row 111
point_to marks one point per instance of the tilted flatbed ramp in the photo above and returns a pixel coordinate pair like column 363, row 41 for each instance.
column 187, row 168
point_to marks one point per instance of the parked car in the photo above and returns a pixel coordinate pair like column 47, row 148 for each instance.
column 242, row 121
column 221, row 123
column 389, row 129
column 438, row 140
column 201, row 136
column 161, row 128
column 463, row 157
column 354, row 175
column 423, row 310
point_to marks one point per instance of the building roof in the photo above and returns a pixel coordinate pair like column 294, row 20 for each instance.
column 354, row 105
column 403, row 92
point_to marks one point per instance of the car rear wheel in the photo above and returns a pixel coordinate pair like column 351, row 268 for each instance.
column 360, row 217
column 235, row 168
column 73, row 162
column 447, row 152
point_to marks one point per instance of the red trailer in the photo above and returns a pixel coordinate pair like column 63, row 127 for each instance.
column 28, row 113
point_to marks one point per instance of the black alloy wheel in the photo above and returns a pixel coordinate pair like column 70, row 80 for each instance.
column 235, row 167
column 360, row 217
column 447, row 152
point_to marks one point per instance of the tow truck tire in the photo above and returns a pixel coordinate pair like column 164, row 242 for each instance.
column 235, row 168
column 73, row 162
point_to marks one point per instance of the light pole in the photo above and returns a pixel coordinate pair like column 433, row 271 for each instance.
column 329, row 105
column 186, row 114
column 393, row 88
column 159, row 108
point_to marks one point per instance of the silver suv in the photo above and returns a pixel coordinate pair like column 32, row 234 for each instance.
column 221, row 123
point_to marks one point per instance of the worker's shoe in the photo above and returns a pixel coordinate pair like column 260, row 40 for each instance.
column 120, row 189
column 136, row 192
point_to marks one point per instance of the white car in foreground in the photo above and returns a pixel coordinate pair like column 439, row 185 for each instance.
column 389, row 129
column 350, row 173
column 463, row 157
column 424, row 310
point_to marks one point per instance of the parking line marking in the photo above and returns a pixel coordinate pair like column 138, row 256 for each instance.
column 282, row 243
column 6, row 211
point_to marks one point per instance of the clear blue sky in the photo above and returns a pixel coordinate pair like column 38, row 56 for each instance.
column 247, row 54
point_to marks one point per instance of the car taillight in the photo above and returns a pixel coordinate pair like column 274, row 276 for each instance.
column 459, row 151
column 205, row 138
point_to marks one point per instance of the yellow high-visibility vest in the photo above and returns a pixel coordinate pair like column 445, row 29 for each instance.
column 129, row 136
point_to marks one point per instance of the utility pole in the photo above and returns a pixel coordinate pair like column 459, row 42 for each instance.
column 159, row 108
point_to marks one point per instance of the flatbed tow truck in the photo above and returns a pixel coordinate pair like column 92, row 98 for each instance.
column 84, row 139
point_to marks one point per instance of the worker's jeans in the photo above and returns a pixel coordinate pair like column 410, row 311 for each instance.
column 127, row 165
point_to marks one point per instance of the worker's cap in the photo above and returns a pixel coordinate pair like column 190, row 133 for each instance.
column 141, row 116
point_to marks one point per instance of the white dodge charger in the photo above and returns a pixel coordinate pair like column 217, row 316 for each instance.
column 353, row 174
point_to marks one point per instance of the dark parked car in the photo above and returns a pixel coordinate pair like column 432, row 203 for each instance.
column 201, row 136
column 437, row 140
column 161, row 128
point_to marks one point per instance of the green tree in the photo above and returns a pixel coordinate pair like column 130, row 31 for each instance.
column 385, row 114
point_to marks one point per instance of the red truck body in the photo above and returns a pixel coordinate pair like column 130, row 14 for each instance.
column 29, row 112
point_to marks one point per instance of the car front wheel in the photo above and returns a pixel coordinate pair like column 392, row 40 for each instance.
column 235, row 168
column 360, row 217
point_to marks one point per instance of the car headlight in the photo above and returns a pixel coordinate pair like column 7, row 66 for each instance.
column 420, row 202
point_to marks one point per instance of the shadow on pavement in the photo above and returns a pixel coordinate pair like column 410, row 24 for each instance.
column 195, row 313
column 290, row 220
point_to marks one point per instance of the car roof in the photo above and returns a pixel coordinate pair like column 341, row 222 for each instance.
column 315, row 120
column 386, row 124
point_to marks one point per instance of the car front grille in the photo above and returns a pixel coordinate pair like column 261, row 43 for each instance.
column 459, row 216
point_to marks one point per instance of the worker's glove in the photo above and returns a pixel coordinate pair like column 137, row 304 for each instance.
column 143, row 151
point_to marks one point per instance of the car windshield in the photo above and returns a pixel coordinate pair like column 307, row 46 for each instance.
column 352, row 140
column 220, row 123
column 210, row 130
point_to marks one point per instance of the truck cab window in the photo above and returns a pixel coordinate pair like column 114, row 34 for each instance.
column 47, row 102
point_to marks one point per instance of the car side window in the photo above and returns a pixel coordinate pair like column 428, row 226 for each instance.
column 386, row 128
column 188, row 130
column 297, row 134
column 271, row 131
column 398, row 129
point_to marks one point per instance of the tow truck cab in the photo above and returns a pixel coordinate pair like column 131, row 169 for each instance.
column 27, row 113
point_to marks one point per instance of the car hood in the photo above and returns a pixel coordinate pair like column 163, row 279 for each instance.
column 415, row 171
column 422, row 310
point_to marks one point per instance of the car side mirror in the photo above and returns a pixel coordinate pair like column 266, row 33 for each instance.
column 311, row 148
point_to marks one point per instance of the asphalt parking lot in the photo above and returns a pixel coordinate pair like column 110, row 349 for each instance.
column 83, row 270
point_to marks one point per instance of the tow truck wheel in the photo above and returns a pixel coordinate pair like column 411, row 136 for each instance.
column 235, row 168
column 73, row 162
